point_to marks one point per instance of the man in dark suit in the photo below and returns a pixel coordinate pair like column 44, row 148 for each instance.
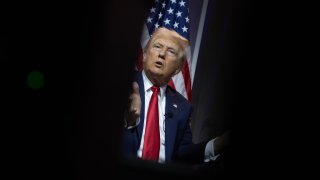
column 170, row 138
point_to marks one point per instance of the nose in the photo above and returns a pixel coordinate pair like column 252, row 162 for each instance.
column 162, row 53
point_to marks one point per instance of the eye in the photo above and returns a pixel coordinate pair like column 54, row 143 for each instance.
column 157, row 46
column 172, row 52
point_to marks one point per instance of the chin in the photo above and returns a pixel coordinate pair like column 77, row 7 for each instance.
column 156, row 71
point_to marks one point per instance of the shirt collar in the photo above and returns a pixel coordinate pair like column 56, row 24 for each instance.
column 148, row 84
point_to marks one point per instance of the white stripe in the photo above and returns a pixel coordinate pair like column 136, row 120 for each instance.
column 178, row 82
column 189, row 64
column 145, row 36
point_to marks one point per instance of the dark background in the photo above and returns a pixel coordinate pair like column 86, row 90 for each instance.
column 70, row 128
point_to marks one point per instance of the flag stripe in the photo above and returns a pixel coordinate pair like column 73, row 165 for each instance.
column 179, row 84
column 187, row 80
column 139, row 64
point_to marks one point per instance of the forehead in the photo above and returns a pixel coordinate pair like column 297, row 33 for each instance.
column 167, row 41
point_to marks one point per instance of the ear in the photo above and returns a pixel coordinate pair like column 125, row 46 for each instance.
column 178, row 70
column 144, row 56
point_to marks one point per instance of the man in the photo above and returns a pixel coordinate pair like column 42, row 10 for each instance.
column 155, row 105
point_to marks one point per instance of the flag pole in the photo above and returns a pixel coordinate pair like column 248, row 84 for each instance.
column 198, row 40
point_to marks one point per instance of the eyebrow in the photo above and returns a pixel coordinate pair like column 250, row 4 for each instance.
column 169, row 47
column 157, row 43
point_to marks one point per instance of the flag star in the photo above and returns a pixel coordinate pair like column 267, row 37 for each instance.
column 187, row 19
column 182, row 3
column 170, row 11
column 156, row 25
column 184, row 29
column 149, row 20
column 175, row 25
column 167, row 21
column 152, row 10
column 160, row 15
column 173, row 1
column 163, row 5
column 178, row 14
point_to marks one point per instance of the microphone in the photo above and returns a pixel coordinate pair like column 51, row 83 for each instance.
column 168, row 115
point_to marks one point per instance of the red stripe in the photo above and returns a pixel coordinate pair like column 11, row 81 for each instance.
column 139, row 60
column 187, row 80
column 171, row 84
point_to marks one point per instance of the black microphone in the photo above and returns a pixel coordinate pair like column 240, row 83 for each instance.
column 168, row 115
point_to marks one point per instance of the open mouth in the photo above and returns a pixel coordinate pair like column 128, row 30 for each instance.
column 159, row 64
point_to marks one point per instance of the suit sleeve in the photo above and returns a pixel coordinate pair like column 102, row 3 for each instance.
column 129, row 142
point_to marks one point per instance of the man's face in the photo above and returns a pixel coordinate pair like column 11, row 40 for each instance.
column 161, row 59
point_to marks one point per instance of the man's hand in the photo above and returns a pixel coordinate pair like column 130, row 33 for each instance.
column 134, row 106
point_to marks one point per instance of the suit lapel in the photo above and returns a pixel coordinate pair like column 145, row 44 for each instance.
column 170, row 123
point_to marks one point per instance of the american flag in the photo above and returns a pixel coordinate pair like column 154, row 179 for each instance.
column 172, row 14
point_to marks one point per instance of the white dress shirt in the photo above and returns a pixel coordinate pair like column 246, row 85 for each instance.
column 209, row 150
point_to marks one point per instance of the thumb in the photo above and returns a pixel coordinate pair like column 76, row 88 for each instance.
column 135, row 88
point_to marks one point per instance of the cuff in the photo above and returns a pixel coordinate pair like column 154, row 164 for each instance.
column 209, row 152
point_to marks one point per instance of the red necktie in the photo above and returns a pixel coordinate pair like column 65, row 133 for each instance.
column 151, row 145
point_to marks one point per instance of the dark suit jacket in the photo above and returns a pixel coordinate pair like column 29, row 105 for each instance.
column 178, row 137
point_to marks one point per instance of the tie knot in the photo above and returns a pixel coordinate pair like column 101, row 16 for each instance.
column 155, row 89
